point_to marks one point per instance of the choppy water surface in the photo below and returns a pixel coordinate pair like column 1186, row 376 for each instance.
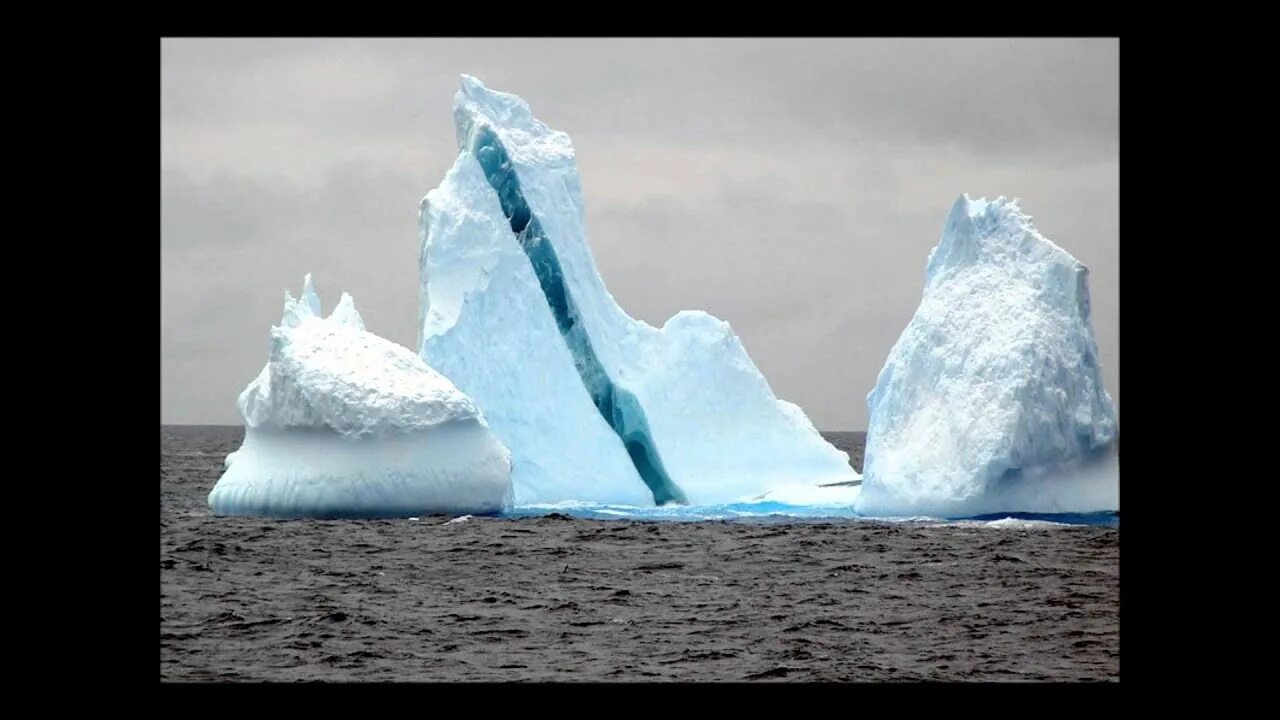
column 589, row 593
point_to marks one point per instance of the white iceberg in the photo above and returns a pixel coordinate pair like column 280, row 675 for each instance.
column 594, row 405
column 992, row 399
column 342, row 423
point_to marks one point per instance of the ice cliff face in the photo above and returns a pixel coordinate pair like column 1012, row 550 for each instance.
column 342, row 422
column 594, row 405
column 992, row 398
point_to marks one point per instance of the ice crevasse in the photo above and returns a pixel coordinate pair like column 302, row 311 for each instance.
column 343, row 423
column 992, row 398
column 594, row 405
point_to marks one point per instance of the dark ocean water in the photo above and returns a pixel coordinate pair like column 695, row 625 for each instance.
column 557, row 598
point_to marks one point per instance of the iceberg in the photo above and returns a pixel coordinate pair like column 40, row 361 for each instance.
column 992, row 398
column 595, row 406
column 343, row 423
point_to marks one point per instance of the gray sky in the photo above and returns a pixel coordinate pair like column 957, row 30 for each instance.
column 791, row 187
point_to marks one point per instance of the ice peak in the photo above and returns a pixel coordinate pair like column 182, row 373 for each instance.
column 473, row 87
column 968, row 214
column 476, row 105
column 295, row 310
column 346, row 312
column 309, row 295
column 986, row 231
column 959, row 221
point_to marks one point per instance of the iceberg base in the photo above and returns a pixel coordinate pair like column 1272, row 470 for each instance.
column 454, row 468
column 1078, row 487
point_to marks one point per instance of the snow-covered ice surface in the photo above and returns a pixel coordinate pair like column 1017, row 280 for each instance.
column 343, row 423
column 595, row 406
column 992, row 399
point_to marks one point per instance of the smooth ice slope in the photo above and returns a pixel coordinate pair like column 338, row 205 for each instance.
column 342, row 423
column 992, row 398
column 595, row 406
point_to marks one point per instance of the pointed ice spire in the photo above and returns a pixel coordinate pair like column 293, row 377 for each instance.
column 508, row 115
column 294, row 311
column 309, row 295
column 472, row 85
column 346, row 312
column 958, row 220
column 955, row 245
column 308, row 306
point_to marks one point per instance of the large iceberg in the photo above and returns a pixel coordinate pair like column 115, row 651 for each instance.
column 992, row 399
column 342, row 423
column 594, row 405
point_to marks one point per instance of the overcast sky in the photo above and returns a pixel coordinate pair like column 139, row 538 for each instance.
column 791, row 187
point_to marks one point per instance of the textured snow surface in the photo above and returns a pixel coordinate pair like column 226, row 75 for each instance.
column 722, row 435
column 343, row 423
column 992, row 398
column 331, row 373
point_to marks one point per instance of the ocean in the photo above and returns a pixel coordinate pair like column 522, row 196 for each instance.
column 597, row 594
